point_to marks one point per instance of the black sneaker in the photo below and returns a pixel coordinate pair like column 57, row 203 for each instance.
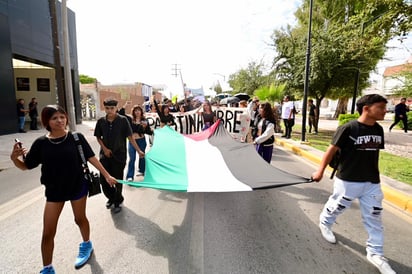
column 117, row 209
column 109, row 204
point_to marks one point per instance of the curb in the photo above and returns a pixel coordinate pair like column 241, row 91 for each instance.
column 397, row 198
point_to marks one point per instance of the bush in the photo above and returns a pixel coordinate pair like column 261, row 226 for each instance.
column 344, row 118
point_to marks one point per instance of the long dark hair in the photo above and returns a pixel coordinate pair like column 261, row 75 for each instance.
column 48, row 111
column 267, row 112
column 142, row 117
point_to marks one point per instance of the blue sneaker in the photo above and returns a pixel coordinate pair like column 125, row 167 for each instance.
column 47, row 270
column 85, row 251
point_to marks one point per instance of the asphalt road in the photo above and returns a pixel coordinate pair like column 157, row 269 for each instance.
column 266, row 231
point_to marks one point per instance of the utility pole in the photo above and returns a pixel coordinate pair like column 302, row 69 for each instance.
column 67, row 69
column 307, row 73
column 175, row 74
column 56, row 55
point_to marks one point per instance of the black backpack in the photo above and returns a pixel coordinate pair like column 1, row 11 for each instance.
column 334, row 163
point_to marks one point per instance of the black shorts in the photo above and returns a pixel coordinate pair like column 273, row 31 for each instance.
column 63, row 196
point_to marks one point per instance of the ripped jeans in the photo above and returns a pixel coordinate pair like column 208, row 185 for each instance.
column 370, row 200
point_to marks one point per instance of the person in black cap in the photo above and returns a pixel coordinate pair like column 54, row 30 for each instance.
column 111, row 132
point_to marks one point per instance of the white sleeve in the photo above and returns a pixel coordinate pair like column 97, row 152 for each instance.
column 270, row 130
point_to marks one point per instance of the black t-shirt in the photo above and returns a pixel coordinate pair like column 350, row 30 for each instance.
column 114, row 134
column 208, row 117
column 312, row 109
column 33, row 109
column 19, row 108
column 360, row 157
column 61, row 166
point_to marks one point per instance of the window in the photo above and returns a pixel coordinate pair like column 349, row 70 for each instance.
column 23, row 83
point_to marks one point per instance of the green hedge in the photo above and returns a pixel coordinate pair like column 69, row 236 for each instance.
column 344, row 118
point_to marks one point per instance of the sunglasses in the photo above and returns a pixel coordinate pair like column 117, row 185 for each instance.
column 109, row 107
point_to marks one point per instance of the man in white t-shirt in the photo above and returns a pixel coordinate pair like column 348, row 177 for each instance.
column 288, row 116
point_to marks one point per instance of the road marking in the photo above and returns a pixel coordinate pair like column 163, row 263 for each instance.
column 196, row 235
column 21, row 202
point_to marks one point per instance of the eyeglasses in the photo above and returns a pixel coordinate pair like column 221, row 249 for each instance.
column 109, row 107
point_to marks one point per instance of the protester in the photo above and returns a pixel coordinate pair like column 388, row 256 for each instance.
column 140, row 127
column 21, row 114
column 166, row 118
column 265, row 134
column 63, row 178
column 313, row 117
column 172, row 107
column 277, row 111
column 33, row 114
column 401, row 110
column 253, row 111
column 243, row 104
column 208, row 116
column 359, row 142
column 288, row 116
column 111, row 132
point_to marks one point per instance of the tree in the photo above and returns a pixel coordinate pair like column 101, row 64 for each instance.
column 217, row 88
column 405, row 78
column 249, row 79
column 84, row 79
column 348, row 39
column 272, row 93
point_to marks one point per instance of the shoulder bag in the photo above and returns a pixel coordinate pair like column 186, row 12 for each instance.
column 92, row 178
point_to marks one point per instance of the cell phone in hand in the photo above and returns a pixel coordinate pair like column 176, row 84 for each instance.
column 17, row 141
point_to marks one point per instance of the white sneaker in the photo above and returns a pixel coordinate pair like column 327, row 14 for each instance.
column 381, row 263
column 327, row 233
column 130, row 179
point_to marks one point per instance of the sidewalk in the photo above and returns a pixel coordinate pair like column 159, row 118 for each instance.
column 397, row 193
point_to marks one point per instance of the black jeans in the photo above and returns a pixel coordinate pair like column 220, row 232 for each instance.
column 115, row 168
column 289, row 123
column 33, row 122
column 404, row 120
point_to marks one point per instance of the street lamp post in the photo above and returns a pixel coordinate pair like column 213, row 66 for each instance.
column 307, row 73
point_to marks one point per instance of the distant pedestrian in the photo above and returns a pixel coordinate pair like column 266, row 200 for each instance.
column 63, row 177
column 359, row 142
column 288, row 116
column 313, row 117
column 33, row 114
column 111, row 132
column 21, row 114
column 401, row 110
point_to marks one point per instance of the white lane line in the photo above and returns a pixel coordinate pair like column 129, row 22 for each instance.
column 21, row 202
column 196, row 235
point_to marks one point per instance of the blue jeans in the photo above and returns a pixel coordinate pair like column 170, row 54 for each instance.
column 370, row 200
column 22, row 120
column 132, row 158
